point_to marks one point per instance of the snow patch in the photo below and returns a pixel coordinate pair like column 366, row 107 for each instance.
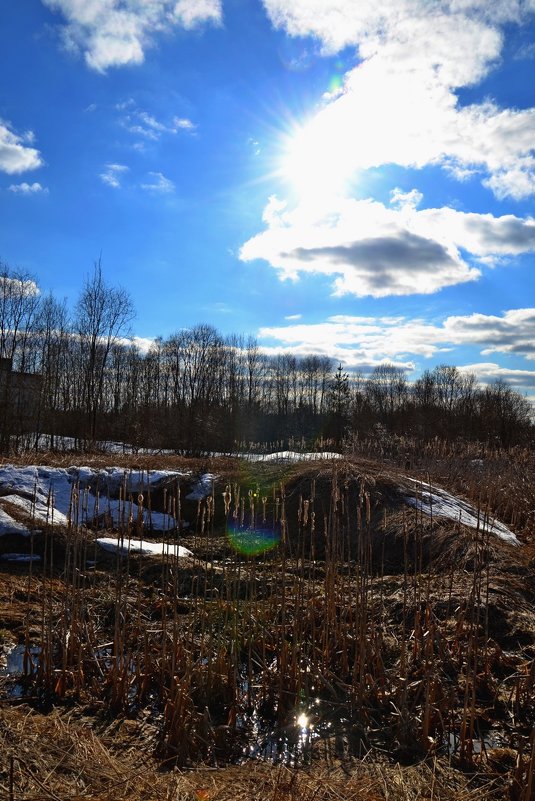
column 20, row 557
column 10, row 526
column 123, row 546
column 290, row 456
column 202, row 488
column 46, row 494
column 38, row 509
column 436, row 502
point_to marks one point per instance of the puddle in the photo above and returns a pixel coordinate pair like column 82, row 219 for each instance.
column 487, row 740
column 315, row 728
column 16, row 664
column 20, row 661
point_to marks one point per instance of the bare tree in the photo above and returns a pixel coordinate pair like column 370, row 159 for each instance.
column 387, row 390
column 19, row 300
column 53, row 339
column 103, row 313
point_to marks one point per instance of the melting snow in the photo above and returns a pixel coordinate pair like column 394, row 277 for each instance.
column 10, row 526
column 45, row 494
column 124, row 545
column 202, row 488
column 437, row 502
column 290, row 456
column 20, row 557
column 39, row 509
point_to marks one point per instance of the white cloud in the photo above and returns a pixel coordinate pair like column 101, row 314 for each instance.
column 372, row 25
column 159, row 184
column 183, row 124
column 513, row 332
column 19, row 286
column 400, row 105
column 489, row 372
column 112, row 33
column 15, row 154
column 112, row 175
column 144, row 344
column 28, row 189
column 401, row 200
column 370, row 249
column 191, row 13
column 357, row 341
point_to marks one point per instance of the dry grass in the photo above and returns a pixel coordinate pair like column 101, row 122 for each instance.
column 392, row 632
column 60, row 757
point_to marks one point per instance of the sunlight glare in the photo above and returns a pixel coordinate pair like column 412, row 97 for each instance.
column 314, row 163
column 302, row 721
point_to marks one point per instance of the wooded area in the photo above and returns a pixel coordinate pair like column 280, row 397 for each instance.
column 198, row 390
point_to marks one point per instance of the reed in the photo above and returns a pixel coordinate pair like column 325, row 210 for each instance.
column 315, row 647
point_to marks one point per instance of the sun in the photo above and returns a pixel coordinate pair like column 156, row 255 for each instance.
column 313, row 160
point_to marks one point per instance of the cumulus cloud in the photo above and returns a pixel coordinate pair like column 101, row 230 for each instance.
column 28, row 189
column 112, row 175
column 513, row 332
column 113, row 33
column 401, row 264
column 489, row 372
column 143, row 344
column 158, row 184
column 18, row 286
column 356, row 341
column 400, row 104
column 372, row 249
column 16, row 153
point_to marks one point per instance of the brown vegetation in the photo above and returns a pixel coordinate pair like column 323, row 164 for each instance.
column 374, row 653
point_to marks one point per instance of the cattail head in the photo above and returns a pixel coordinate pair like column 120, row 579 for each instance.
column 227, row 497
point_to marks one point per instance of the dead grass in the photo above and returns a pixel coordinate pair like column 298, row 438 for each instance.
column 411, row 629
column 60, row 757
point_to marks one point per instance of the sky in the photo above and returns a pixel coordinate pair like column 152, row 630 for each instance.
column 346, row 178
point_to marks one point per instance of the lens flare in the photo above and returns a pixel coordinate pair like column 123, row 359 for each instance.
column 251, row 541
column 302, row 721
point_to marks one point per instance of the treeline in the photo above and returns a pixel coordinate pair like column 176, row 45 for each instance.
column 198, row 390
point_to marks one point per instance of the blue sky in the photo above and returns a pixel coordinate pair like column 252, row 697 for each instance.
column 355, row 179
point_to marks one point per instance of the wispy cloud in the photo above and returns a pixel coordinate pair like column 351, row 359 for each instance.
column 113, row 33
column 142, row 123
column 527, row 51
column 16, row 153
column 183, row 124
column 28, row 189
column 112, row 175
column 360, row 341
column 158, row 184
